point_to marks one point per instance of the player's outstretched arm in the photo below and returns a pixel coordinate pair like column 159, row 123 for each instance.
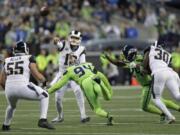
column 64, row 79
column 36, row 74
column 115, row 61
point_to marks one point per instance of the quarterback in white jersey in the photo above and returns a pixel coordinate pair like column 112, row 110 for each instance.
column 15, row 80
column 68, row 51
column 158, row 60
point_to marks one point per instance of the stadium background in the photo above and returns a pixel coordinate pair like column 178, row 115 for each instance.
column 106, row 25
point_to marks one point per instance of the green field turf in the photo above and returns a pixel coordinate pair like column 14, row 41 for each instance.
column 125, row 106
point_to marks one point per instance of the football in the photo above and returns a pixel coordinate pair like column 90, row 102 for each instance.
column 44, row 11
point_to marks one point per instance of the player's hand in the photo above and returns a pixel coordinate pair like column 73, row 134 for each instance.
column 56, row 40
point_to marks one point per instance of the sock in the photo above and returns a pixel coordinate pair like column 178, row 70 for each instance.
column 80, row 101
column 161, row 105
column 101, row 112
column 44, row 103
column 59, row 108
column 170, row 104
column 9, row 114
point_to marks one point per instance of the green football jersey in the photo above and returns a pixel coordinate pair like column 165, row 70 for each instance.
column 75, row 73
column 143, row 79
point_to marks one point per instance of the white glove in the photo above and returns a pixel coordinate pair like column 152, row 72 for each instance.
column 132, row 65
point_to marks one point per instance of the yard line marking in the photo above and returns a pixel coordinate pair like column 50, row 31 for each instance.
column 80, row 133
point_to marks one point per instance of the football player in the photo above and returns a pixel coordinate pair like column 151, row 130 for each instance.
column 68, row 50
column 15, row 81
column 92, row 82
column 131, row 60
column 158, row 60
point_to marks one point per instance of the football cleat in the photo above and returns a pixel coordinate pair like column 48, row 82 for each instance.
column 110, row 121
column 43, row 123
column 162, row 118
column 5, row 127
column 87, row 119
column 57, row 119
column 170, row 121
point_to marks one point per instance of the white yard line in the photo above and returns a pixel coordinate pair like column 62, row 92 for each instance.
column 80, row 133
column 87, row 110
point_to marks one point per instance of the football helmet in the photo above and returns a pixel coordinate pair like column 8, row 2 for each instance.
column 129, row 52
column 21, row 48
column 75, row 38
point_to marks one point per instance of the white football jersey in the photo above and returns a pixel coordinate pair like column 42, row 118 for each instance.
column 159, row 59
column 65, row 52
column 17, row 69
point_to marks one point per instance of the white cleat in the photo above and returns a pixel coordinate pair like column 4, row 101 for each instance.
column 57, row 119
column 170, row 120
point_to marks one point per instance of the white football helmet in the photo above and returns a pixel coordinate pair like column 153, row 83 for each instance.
column 75, row 38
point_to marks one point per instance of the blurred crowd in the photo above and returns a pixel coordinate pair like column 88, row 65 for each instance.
column 21, row 20
column 96, row 19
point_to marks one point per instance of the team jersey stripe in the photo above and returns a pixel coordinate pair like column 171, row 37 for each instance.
column 33, row 89
column 83, row 52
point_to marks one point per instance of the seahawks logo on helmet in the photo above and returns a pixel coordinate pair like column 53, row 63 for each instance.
column 21, row 48
column 129, row 52
column 75, row 38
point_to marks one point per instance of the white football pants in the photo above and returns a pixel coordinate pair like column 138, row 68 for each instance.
column 170, row 79
column 18, row 90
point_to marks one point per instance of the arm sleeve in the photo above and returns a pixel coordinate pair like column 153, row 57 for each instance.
column 64, row 79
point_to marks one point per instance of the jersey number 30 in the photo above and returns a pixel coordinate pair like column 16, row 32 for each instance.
column 15, row 68
column 162, row 55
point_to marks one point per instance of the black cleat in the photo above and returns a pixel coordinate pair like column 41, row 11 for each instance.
column 5, row 127
column 87, row 119
column 43, row 123
column 110, row 121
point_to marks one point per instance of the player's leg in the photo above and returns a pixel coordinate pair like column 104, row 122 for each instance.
column 80, row 101
column 33, row 92
column 91, row 89
column 104, row 89
column 158, row 83
column 170, row 104
column 147, row 106
column 9, row 112
column 59, row 104
column 173, row 85
column 106, row 82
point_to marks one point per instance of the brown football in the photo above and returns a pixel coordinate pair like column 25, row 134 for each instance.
column 44, row 11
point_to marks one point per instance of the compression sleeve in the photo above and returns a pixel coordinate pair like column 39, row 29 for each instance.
column 63, row 80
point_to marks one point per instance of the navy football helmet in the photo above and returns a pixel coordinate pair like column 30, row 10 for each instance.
column 129, row 52
column 21, row 48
